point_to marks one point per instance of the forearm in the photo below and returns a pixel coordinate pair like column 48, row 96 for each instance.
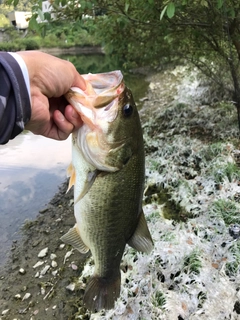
column 15, row 108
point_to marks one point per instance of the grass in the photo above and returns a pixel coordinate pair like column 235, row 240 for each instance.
column 228, row 210
column 233, row 267
column 159, row 299
column 192, row 262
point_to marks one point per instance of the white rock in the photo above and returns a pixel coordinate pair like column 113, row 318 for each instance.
column 17, row 296
column 61, row 246
column 43, row 253
column 22, row 271
column 5, row 312
column 43, row 291
column 54, row 307
column 44, row 270
column 37, row 274
column 54, row 264
column 54, row 273
column 67, row 255
column 26, row 296
column 38, row 264
column 53, row 256
column 71, row 287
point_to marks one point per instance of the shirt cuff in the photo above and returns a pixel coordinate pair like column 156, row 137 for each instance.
column 24, row 69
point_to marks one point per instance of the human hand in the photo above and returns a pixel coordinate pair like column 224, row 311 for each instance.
column 50, row 78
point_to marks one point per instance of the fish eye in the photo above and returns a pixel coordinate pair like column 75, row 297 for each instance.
column 127, row 110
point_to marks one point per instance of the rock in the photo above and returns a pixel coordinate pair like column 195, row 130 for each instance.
column 43, row 210
column 61, row 246
column 43, row 253
column 38, row 264
column 53, row 256
column 18, row 296
column 22, row 271
column 71, row 287
column 54, row 264
column 67, row 255
column 5, row 312
column 26, row 296
column 44, row 270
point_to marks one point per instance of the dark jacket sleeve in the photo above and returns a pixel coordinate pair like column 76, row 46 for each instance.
column 15, row 108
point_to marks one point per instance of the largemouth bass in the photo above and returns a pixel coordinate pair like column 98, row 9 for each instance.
column 107, row 172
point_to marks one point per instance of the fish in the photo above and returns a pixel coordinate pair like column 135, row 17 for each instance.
column 108, row 173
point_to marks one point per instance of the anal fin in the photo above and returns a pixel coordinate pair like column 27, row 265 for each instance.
column 73, row 238
column 141, row 239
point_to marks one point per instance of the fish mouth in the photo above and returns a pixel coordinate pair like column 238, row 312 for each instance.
column 100, row 99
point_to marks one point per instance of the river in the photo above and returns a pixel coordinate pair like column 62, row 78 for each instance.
column 32, row 167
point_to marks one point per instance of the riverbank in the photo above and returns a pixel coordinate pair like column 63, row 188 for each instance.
column 191, row 200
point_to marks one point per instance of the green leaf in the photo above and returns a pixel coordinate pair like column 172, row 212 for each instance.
column 127, row 4
column 15, row 2
column 151, row 1
column 170, row 10
column 232, row 13
column 47, row 16
column 63, row 2
column 33, row 24
column 41, row 15
column 204, row 3
column 162, row 13
column 220, row 4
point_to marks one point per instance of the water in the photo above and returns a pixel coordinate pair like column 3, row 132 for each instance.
column 32, row 167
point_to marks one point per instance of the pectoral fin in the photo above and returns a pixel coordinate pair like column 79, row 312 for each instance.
column 72, row 174
column 91, row 176
column 73, row 238
column 141, row 239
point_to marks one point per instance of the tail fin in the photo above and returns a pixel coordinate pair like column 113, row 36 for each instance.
column 101, row 293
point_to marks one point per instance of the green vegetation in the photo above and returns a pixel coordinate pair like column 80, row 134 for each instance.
column 227, row 210
column 192, row 262
column 142, row 32
column 233, row 267
column 57, row 34
column 159, row 299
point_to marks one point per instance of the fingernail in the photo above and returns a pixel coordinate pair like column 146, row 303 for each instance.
column 61, row 116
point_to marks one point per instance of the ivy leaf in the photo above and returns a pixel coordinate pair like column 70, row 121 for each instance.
column 170, row 10
column 162, row 13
